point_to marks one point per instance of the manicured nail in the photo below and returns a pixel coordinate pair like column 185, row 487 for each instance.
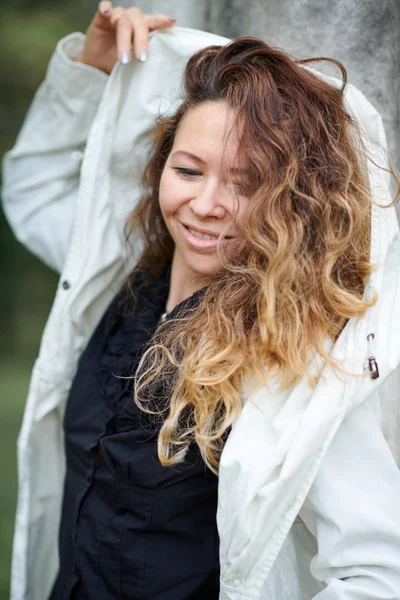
column 143, row 56
column 125, row 58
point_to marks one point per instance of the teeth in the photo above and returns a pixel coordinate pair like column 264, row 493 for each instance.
column 202, row 236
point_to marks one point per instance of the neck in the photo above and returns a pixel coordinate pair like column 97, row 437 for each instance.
column 183, row 283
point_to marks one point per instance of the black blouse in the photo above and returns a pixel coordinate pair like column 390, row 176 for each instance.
column 130, row 528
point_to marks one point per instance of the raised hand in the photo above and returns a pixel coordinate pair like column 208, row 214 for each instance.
column 113, row 32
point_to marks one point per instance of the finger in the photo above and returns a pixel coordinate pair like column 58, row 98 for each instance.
column 159, row 22
column 105, row 8
column 124, row 29
column 140, row 33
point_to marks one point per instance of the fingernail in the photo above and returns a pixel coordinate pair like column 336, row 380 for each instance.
column 172, row 20
column 106, row 11
column 125, row 58
column 143, row 56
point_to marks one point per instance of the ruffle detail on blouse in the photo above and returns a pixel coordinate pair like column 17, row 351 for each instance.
column 131, row 326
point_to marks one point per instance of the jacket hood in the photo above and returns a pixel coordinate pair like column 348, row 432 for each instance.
column 276, row 446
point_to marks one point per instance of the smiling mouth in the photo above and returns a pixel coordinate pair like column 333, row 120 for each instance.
column 205, row 236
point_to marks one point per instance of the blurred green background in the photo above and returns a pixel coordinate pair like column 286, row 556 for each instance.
column 29, row 31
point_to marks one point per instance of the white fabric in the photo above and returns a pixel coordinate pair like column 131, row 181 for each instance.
column 309, row 492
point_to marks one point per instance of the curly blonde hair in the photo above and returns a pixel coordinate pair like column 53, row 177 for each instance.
column 302, row 270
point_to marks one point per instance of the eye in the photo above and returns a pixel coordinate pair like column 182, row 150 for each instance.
column 186, row 173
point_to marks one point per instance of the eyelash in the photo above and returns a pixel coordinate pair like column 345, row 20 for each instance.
column 186, row 173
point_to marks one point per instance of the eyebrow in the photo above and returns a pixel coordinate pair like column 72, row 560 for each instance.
column 237, row 170
column 190, row 155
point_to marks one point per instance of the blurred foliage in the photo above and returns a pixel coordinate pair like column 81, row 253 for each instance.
column 29, row 31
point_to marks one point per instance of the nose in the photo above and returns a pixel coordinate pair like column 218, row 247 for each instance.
column 209, row 202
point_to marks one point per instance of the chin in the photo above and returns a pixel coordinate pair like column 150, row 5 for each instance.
column 204, row 268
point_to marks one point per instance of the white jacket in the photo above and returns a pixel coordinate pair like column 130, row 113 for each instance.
column 309, row 494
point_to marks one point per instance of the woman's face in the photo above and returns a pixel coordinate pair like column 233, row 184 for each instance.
column 201, row 188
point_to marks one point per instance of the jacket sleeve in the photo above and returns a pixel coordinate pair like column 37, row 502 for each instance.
column 353, row 510
column 41, row 172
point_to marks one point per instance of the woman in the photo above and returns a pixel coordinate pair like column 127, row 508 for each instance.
column 265, row 271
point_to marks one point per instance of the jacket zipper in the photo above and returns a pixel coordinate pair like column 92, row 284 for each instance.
column 371, row 363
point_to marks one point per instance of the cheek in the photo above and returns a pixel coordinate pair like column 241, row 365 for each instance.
column 163, row 195
column 238, row 210
column 170, row 196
